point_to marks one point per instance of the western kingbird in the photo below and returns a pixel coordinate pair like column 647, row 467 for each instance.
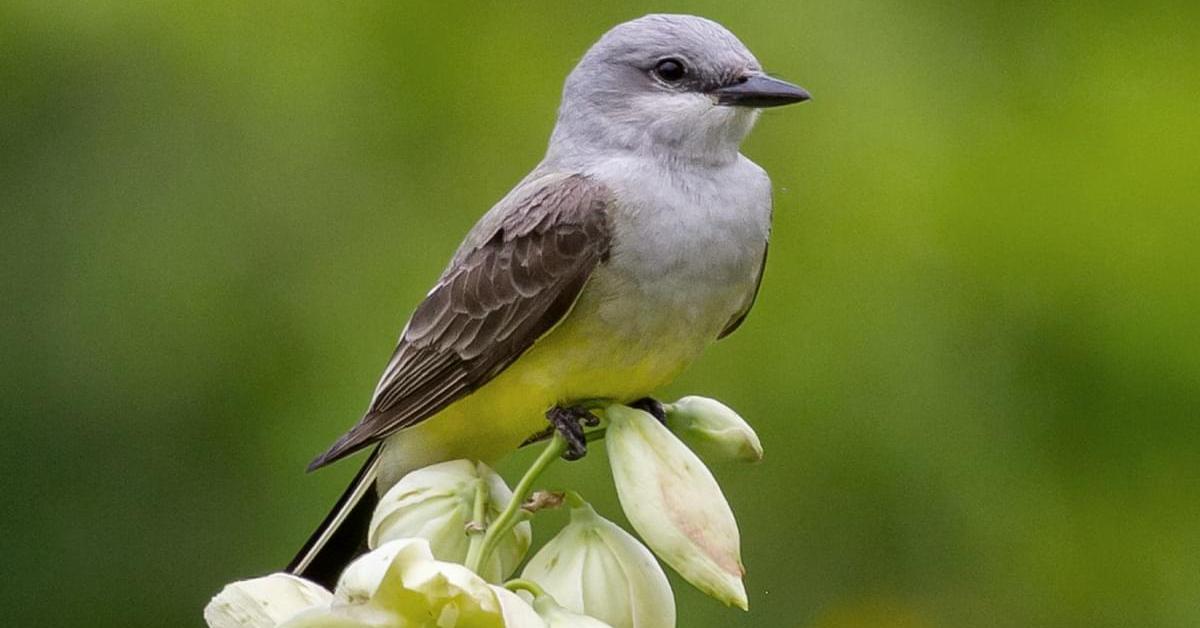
column 639, row 240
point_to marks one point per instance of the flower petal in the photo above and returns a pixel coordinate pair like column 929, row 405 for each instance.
column 376, row 573
column 713, row 430
column 675, row 504
column 556, row 616
column 517, row 612
column 263, row 602
column 437, row 502
column 457, row 596
column 346, row 617
column 400, row 584
column 593, row 567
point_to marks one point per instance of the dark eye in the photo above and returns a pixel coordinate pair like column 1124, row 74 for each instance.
column 670, row 70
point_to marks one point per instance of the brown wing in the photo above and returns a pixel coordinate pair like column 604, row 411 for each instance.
column 740, row 317
column 489, row 307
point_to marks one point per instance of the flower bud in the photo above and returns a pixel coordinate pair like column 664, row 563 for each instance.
column 713, row 430
column 595, row 568
column 437, row 503
column 400, row 584
column 674, row 503
column 263, row 602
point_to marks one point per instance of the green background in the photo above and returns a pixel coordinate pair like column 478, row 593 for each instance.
column 975, row 362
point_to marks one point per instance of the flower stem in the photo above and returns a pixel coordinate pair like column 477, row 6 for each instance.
column 478, row 524
column 521, row 584
column 512, row 512
column 574, row 499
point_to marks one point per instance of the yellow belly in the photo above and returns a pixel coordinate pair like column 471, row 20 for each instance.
column 576, row 361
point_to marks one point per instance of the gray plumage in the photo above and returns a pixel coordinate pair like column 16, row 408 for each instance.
column 604, row 98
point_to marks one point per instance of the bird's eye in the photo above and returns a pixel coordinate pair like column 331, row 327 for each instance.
column 670, row 70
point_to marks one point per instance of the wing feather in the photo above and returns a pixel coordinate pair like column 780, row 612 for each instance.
column 519, row 273
column 740, row 317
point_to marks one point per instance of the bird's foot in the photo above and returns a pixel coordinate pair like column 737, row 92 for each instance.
column 569, row 422
column 651, row 406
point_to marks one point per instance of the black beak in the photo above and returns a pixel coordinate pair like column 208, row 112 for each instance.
column 760, row 90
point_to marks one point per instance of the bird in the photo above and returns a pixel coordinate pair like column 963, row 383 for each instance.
column 639, row 240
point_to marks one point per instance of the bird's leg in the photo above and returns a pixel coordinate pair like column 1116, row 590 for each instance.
column 569, row 422
column 651, row 406
column 539, row 436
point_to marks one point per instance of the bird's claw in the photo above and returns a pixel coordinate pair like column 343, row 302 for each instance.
column 569, row 422
column 653, row 407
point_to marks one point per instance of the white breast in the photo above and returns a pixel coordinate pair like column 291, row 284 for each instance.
column 688, row 242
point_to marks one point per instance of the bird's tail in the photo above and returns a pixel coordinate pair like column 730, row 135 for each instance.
column 342, row 536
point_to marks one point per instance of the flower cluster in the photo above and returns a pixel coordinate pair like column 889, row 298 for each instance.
column 446, row 540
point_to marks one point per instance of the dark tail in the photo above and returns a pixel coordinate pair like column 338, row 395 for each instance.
column 342, row 536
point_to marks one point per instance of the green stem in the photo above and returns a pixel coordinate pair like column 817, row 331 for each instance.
column 573, row 499
column 521, row 584
column 478, row 521
column 512, row 512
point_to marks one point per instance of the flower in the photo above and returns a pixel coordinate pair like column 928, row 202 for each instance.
column 517, row 612
column 436, row 503
column 556, row 616
column 544, row 613
column 713, row 430
column 263, row 602
column 674, row 503
column 595, row 568
column 401, row 585
column 603, row 576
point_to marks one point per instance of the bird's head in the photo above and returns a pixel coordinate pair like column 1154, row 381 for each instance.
column 675, row 85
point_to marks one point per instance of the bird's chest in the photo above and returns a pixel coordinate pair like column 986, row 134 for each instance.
column 687, row 249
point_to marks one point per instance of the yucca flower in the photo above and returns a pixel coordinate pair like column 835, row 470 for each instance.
column 713, row 430
column 436, row 503
column 595, row 568
column 675, row 504
column 264, row 602
column 401, row 585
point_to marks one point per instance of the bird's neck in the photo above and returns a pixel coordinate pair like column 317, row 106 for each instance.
column 589, row 136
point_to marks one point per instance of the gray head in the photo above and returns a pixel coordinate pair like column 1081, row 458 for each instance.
column 674, row 85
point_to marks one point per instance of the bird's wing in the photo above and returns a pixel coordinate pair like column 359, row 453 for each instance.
column 740, row 317
column 518, row 274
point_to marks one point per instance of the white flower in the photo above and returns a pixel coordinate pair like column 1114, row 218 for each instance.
column 674, row 503
column 556, row 616
column 595, row 568
column 436, row 503
column 544, row 612
column 401, row 585
column 517, row 612
column 713, row 430
column 263, row 602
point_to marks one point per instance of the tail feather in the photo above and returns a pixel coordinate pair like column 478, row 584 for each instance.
column 342, row 536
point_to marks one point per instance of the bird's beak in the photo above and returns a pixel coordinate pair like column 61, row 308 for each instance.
column 759, row 90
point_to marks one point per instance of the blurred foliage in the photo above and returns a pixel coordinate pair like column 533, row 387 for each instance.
column 975, row 363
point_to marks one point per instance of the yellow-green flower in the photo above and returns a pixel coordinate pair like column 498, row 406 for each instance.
column 401, row 585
